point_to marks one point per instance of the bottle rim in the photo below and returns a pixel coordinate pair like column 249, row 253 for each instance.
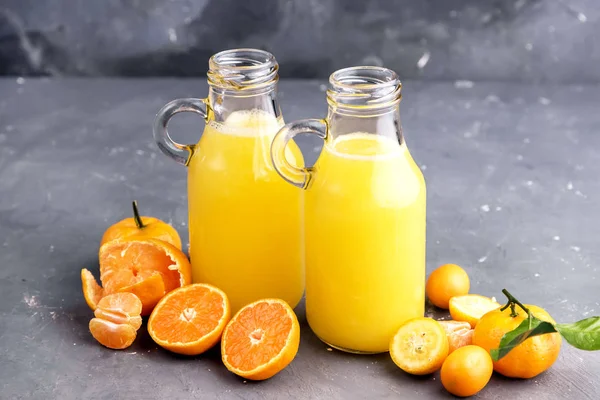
column 364, row 87
column 242, row 69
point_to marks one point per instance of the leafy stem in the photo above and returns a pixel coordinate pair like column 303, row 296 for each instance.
column 512, row 301
column 584, row 334
column 136, row 216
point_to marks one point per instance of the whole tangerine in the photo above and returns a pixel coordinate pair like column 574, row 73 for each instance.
column 530, row 358
column 447, row 281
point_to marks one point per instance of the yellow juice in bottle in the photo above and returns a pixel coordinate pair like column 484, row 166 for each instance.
column 244, row 220
column 365, row 242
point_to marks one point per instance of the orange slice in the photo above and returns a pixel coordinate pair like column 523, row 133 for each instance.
column 471, row 307
column 117, row 320
column 420, row 346
column 459, row 334
column 91, row 290
column 190, row 320
column 149, row 268
column 261, row 339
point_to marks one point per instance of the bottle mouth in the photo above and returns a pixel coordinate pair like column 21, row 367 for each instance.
column 242, row 69
column 364, row 87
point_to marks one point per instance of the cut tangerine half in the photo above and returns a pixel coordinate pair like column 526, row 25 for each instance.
column 420, row 346
column 150, row 268
column 471, row 307
column 261, row 339
column 190, row 320
column 117, row 320
column 91, row 290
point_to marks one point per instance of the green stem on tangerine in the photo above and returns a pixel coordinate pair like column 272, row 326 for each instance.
column 136, row 216
column 512, row 302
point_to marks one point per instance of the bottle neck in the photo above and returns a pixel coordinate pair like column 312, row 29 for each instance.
column 366, row 100
column 224, row 102
column 382, row 122
column 242, row 80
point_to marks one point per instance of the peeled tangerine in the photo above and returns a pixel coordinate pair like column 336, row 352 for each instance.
column 117, row 319
column 420, row 346
column 459, row 334
column 147, row 268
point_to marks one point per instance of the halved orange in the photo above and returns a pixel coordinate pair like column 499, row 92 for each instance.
column 91, row 290
column 471, row 307
column 117, row 320
column 459, row 334
column 190, row 320
column 149, row 268
column 261, row 339
column 420, row 346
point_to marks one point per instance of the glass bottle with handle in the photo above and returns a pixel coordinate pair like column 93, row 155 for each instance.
column 244, row 221
column 364, row 215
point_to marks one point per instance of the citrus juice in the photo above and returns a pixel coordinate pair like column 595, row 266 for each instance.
column 244, row 220
column 365, row 242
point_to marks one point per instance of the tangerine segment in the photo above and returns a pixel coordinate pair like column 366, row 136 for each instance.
column 125, row 263
column 92, row 292
column 261, row 339
column 420, row 346
column 149, row 291
column 111, row 335
column 471, row 307
column 190, row 320
column 120, row 308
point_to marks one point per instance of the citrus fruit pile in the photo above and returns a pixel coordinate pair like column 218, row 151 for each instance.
column 460, row 348
column 144, row 272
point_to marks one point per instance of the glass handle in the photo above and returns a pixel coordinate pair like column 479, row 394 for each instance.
column 296, row 176
column 181, row 153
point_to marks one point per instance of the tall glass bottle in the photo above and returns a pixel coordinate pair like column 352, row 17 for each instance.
column 364, row 214
column 244, row 221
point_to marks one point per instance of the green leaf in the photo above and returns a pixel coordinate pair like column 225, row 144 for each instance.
column 584, row 334
column 528, row 328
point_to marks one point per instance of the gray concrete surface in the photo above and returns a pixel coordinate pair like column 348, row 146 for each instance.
column 512, row 173
column 509, row 40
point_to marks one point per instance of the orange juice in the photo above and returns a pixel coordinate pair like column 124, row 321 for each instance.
column 365, row 242
column 245, row 222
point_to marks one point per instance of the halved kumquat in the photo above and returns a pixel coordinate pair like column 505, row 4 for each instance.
column 471, row 307
column 420, row 346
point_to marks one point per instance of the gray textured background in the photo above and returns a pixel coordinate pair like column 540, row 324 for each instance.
column 507, row 40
